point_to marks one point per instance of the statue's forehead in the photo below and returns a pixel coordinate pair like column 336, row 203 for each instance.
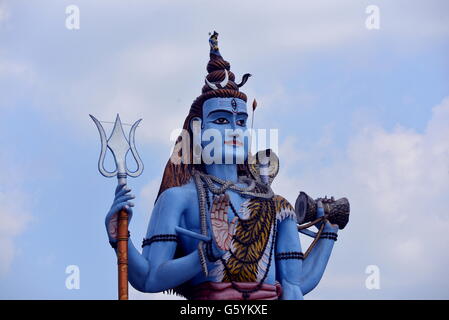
column 234, row 105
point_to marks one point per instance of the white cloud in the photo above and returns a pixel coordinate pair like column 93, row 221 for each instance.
column 16, row 77
column 14, row 214
column 397, row 182
column 4, row 14
column 8, row 69
column 156, row 75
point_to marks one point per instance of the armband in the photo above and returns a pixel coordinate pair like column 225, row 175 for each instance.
column 289, row 255
column 160, row 238
column 329, row 235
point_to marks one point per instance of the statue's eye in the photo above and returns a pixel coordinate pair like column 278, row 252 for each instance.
column 221, row 121
column 241, row 122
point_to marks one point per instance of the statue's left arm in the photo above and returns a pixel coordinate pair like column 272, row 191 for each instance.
column 299, row 276
column 315, row 263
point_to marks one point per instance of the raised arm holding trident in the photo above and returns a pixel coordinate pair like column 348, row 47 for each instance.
column 121, row 208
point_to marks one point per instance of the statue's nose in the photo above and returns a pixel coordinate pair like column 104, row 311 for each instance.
column 234, row 124
column 234, row 133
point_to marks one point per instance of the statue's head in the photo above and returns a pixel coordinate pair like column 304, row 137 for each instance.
column 225, row 139
column 217, row 119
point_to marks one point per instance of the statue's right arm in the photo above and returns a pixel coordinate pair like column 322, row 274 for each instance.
column 156, row 269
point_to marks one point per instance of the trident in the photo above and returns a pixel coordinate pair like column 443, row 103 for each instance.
column 119, row 146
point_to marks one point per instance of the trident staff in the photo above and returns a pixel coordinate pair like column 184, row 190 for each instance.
column 120, row 146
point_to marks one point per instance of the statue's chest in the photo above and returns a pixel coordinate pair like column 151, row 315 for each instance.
column 192, row 217
column 235, row 204
column 250, row 254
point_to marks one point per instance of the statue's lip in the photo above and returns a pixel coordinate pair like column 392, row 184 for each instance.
column 234, row 143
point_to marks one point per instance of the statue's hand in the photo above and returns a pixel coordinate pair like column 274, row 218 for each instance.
column 320, row 213
column 121, row 201
column 222, row 230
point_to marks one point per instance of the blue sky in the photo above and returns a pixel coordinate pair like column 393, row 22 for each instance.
column 361, row 113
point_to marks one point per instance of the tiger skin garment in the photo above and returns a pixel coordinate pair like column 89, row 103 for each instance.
column 251, row 250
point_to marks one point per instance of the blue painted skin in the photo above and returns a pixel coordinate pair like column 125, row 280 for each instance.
column 155, row 269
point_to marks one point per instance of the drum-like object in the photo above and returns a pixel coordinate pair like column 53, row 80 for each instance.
column 337, row 211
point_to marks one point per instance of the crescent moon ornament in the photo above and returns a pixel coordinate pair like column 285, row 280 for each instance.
column 221, row 85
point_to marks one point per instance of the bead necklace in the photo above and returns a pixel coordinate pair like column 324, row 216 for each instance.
column 244, row 191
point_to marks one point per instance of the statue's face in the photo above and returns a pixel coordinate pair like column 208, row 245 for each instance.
column 224, row 127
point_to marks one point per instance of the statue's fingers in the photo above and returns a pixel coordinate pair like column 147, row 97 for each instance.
column 119, row 187
column 319, row 209
column 224, row 215
column 126, row 205
column 128, row 208
column 213, row 213
column 217, row 203
column 219, row 213
column 214, row 204
column 121, row 200
column 232, row 226
column 332, row 225
column 123, row 191
column 225, row 210
column 224, row 207
column 124, row 198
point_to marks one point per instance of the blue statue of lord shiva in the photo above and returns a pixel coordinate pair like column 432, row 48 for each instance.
column 217, row 230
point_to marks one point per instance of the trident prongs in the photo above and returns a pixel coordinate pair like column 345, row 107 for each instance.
column 119, row 146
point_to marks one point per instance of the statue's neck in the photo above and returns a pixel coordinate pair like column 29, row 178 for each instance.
column 226, row 172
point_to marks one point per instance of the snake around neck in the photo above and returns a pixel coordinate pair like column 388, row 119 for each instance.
column 251, row 191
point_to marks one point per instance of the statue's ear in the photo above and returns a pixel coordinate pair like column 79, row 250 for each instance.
column 195, row 124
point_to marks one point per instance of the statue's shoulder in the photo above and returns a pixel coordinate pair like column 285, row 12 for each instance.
column 179, row 196
column 283, row 208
